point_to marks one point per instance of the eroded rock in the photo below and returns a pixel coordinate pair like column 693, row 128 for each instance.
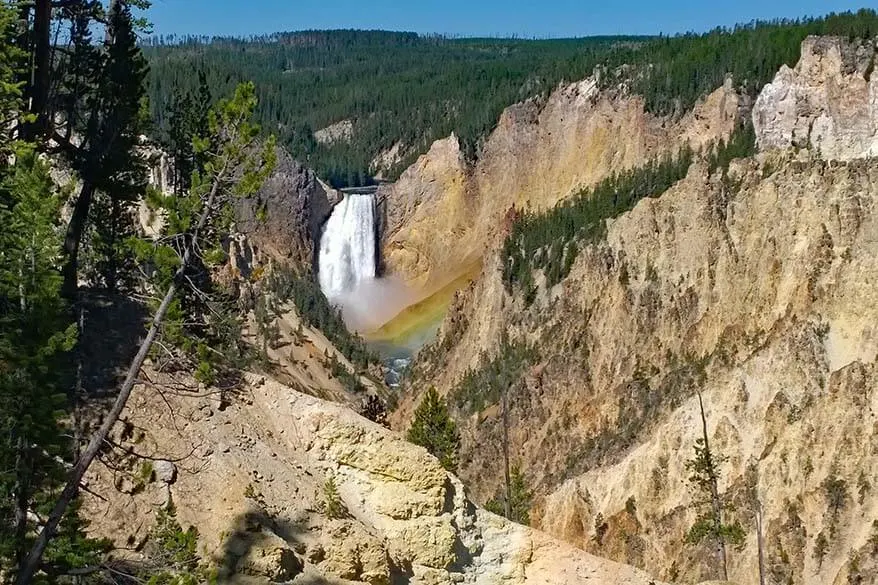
column 828, row 103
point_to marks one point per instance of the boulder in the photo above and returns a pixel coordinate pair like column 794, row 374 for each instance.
column 165, row 471
column 268, row 555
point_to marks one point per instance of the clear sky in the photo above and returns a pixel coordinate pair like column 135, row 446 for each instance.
column 478, row 17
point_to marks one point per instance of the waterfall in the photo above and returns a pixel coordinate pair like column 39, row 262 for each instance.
column 347, row 248
column 347, row 263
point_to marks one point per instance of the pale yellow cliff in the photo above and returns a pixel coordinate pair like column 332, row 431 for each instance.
column 444, row 213
column 251, row 476
column 758, row 290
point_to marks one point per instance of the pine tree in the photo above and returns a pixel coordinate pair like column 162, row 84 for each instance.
column 35, row 335
column 110, row 86
column 520, row 499
column 234, row 166
column 711, row 525
column 122, row 179
column 187, row 117
column 266, row 315
column 433, row 429
column 11, row 59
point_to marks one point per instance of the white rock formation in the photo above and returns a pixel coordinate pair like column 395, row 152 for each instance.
column 828, row 103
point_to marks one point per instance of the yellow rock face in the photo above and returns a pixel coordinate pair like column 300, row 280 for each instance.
column 760, row 293
column 252, row 478
column 444, row 213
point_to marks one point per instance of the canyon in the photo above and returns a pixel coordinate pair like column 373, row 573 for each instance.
column 747, row 288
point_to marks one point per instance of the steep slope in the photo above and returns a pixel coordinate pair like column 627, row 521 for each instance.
column 284, row 220
column 444, row 212
column 252, row 477
column 755, row 288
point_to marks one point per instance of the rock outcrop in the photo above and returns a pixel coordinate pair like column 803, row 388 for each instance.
column 342, row 131
column 828, row 103
column 252, row 477
column 283, row 221
column 754, row 288
column 443, row 212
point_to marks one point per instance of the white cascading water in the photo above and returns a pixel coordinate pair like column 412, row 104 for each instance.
column 347, row 248
column 347, row 267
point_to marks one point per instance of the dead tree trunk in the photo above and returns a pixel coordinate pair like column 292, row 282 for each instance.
column 40, row 78
column 73, row 237
column 506, row 474
column 32, row 563
column 760, row 544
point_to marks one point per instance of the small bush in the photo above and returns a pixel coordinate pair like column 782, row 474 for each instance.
column 600, row 529
column 873, row 539
column 374, row 409
column 174, row 552
column 835, row 491
column 147, row 473
column 863, row 487
column 333, row 506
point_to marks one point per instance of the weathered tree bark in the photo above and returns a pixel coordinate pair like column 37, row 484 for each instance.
column 72, row 239
column 22, row 499
column 37, row 91
column 24, row 24
column 32, row 563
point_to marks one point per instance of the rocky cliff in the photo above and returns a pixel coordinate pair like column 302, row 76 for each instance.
column 253, row 476
column 444, row 211
column 284, row 220
column 828, row 103
column 753, row 287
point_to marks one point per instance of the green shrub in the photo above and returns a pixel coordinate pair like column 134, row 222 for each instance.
column 821, row 546
column 173, row 553
column 333, row 506
column 631, row 507
column 433, row 429
column 600, row 529
column 835, row 492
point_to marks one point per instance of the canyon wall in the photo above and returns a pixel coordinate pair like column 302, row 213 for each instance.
column 444, row 212
column 755, row 288
column 284, row 220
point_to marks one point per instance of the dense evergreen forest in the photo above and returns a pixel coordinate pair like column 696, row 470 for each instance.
column 412, row 89
column 396, row 87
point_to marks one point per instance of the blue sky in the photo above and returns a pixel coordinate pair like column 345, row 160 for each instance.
column 477, row 17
